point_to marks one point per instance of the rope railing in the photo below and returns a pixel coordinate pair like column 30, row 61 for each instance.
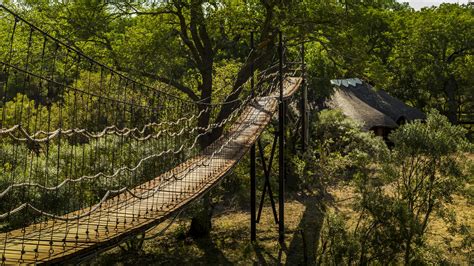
column 128, row 190
column 86, row 150
column 113, row 129
column 203, row 131
column 65, row 118
column 12, row 16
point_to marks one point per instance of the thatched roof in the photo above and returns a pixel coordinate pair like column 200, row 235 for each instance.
column 362, row 102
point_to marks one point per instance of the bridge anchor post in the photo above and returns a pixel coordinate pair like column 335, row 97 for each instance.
column 304, row 103
column 281, row 146
column 253, row 181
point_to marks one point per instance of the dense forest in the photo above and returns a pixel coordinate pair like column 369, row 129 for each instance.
column 198, row 51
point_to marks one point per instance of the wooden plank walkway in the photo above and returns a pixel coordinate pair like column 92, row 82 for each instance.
column 123, row 216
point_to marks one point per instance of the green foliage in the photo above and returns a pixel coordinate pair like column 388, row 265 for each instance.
column 431, row 60
column 337, row 246
column 339, row 150
column 423, row 57
column 399, row 192
column 424, row 170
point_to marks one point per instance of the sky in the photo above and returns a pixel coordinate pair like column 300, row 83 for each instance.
column 417, row 4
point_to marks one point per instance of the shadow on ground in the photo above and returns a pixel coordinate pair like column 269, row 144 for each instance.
column 199, row 252
column 302, row 249
column 229, row 243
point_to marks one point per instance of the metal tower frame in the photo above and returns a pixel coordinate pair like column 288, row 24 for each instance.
column 279, row 138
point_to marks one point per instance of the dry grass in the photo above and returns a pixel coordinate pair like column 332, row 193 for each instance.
column 439, row 236
column 229, row 242
column 230, row 239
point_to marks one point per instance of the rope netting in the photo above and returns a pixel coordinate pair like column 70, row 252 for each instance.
column 72, row 129
column 82, row 144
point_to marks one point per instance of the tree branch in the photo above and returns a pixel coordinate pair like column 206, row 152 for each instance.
column 196, row 18
column 258, row 58
column 185, row 37
column 458, row 53
column 173, row 83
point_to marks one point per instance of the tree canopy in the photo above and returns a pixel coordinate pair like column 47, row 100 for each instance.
column 200, row 51
column 424, row 57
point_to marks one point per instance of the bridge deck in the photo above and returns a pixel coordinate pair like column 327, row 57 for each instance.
column 123, row 215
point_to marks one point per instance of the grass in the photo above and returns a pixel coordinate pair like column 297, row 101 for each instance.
column 443, row 239
column 230, row 238
column 229, row 242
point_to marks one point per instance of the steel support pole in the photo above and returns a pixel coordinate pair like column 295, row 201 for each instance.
column 281, row 146
column 253, row 179
column 267, row 169
column 304, row 102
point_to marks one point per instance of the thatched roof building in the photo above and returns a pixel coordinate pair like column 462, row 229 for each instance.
column 376, row 110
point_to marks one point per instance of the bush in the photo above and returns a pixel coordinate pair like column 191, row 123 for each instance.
column 426, row 167
column 339, row 150
column 399, row 190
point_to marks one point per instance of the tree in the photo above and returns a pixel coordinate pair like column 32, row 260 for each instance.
column 179, row 43
column 424, row 170
column 194, row 18
column 339, row 151
column 399, row 192
column 196, row 34
column 423, row 57
column 432, row 58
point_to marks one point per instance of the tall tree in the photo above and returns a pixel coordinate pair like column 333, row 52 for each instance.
column 433, row 58
column 183, row 40
column 206, row 32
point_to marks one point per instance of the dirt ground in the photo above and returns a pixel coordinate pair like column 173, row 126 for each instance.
column 229, row 242
column 230, row 238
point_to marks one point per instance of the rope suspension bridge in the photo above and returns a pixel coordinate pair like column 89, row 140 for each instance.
column 90, row 157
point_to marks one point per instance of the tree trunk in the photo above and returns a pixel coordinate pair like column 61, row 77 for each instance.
column 205, row 88
column 450, row 88
column 408, row 250
column 201, row 48
column 201, row 223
